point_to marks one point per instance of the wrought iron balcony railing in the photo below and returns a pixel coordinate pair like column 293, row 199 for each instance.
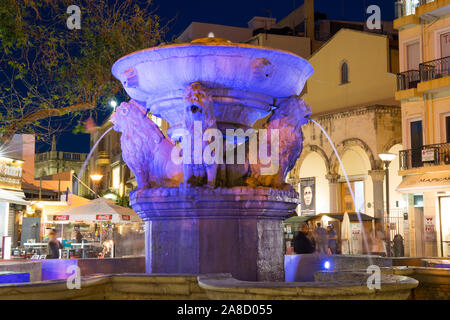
column 405, row 7
column 422, row 2
column 408, row 79
column 429, row 155
column 435, row 69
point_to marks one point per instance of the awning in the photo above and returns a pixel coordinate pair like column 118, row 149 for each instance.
column 97, row 210
column 425, row 182
column 13, row 197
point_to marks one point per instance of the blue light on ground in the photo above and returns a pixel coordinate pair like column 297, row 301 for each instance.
column 327, row 265
column 14, row 277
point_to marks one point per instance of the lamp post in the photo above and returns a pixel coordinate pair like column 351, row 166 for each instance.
column 96, row 177
column 387, row 158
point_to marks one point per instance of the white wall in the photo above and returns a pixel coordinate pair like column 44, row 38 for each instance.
column 4, row 217
column 357, row 165
column 314, row 166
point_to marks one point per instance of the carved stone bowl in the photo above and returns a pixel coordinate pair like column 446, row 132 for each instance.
column 244, row 79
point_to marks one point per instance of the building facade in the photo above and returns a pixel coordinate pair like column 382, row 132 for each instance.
column 53, row 161
column 363, row 119
column 424, row 92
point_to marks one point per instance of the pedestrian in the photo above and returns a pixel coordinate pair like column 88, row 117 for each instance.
column 321, row 237
column 301, row 242
column 53, row 246
column 332, row 239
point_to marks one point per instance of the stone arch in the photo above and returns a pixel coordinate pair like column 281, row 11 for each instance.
column 345, row 145
column 307, row 149
column 391, row 143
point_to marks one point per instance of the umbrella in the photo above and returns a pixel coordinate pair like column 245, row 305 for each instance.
column 100, row 209
column 346, row 235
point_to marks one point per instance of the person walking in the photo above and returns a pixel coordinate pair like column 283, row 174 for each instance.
column 332, row 239
column 301, row 242
column 53, row 246
column 321, row 237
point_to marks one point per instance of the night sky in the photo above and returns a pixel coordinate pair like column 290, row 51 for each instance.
column 234, row 13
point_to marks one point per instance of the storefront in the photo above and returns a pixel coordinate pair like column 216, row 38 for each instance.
column 428, row 213
column 98, row 229
column 12, row 200
column 292, row 225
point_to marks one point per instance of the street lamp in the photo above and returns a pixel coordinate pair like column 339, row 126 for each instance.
column 387, row 158
column 96, row 177
column 113, row 104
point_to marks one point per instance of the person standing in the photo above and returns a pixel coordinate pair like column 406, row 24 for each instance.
column 321, row 237
column 53, row 246
column 301, row 242
column 332, row 239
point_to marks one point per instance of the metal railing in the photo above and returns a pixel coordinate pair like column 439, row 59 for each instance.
column 435, row 69
column 429, row 155
column 59, row 155
column 422, row 2
column 408, row 79
column 405, row 7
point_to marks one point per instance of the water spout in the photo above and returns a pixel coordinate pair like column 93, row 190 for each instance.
column 366, row 246
column 81, row 172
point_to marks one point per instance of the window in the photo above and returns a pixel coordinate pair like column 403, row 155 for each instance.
column 347, row 200
column 447, row 128
column 413, row 56
column 416, row 143
column 344, row 73
column 445, row 45
column 116, row 178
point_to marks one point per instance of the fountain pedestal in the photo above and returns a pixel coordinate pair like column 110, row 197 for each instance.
column 200, row 230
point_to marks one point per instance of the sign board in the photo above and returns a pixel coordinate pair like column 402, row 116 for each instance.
column 6, row 248
column 10, row 173
column 427, row 155
column 430, row 229
column 308, row 196
column 60, row 218
column 126, row 217
column 103, row 217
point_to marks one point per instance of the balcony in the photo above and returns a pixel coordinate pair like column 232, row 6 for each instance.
column 435, row 69
column 434, row 75
column 408, row 79
column 407, row 85
column 432, row 9
column 405, row 8
column 427, row 156
column 103, row 158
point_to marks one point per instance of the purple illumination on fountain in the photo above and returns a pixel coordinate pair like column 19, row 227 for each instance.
column 224, row 216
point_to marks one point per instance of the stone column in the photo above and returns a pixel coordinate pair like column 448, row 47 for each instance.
column 335, row 192
column 378, row 194
column 224, row 230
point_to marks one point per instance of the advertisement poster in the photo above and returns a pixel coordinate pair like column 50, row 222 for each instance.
column 430, row 229
column 308, row 196
column 10, row 173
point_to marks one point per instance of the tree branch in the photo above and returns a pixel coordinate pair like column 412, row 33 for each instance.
column 15, row 125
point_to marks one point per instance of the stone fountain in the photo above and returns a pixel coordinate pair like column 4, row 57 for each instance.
column 207, row 216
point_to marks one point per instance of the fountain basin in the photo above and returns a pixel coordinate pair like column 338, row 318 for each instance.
column 213, row 286
column 202, row 230
column 350, row 286
column 244, row 79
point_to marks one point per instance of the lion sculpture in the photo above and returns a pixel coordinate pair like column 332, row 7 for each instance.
column 199, row 108
column 291, row 114
column 145, row 149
